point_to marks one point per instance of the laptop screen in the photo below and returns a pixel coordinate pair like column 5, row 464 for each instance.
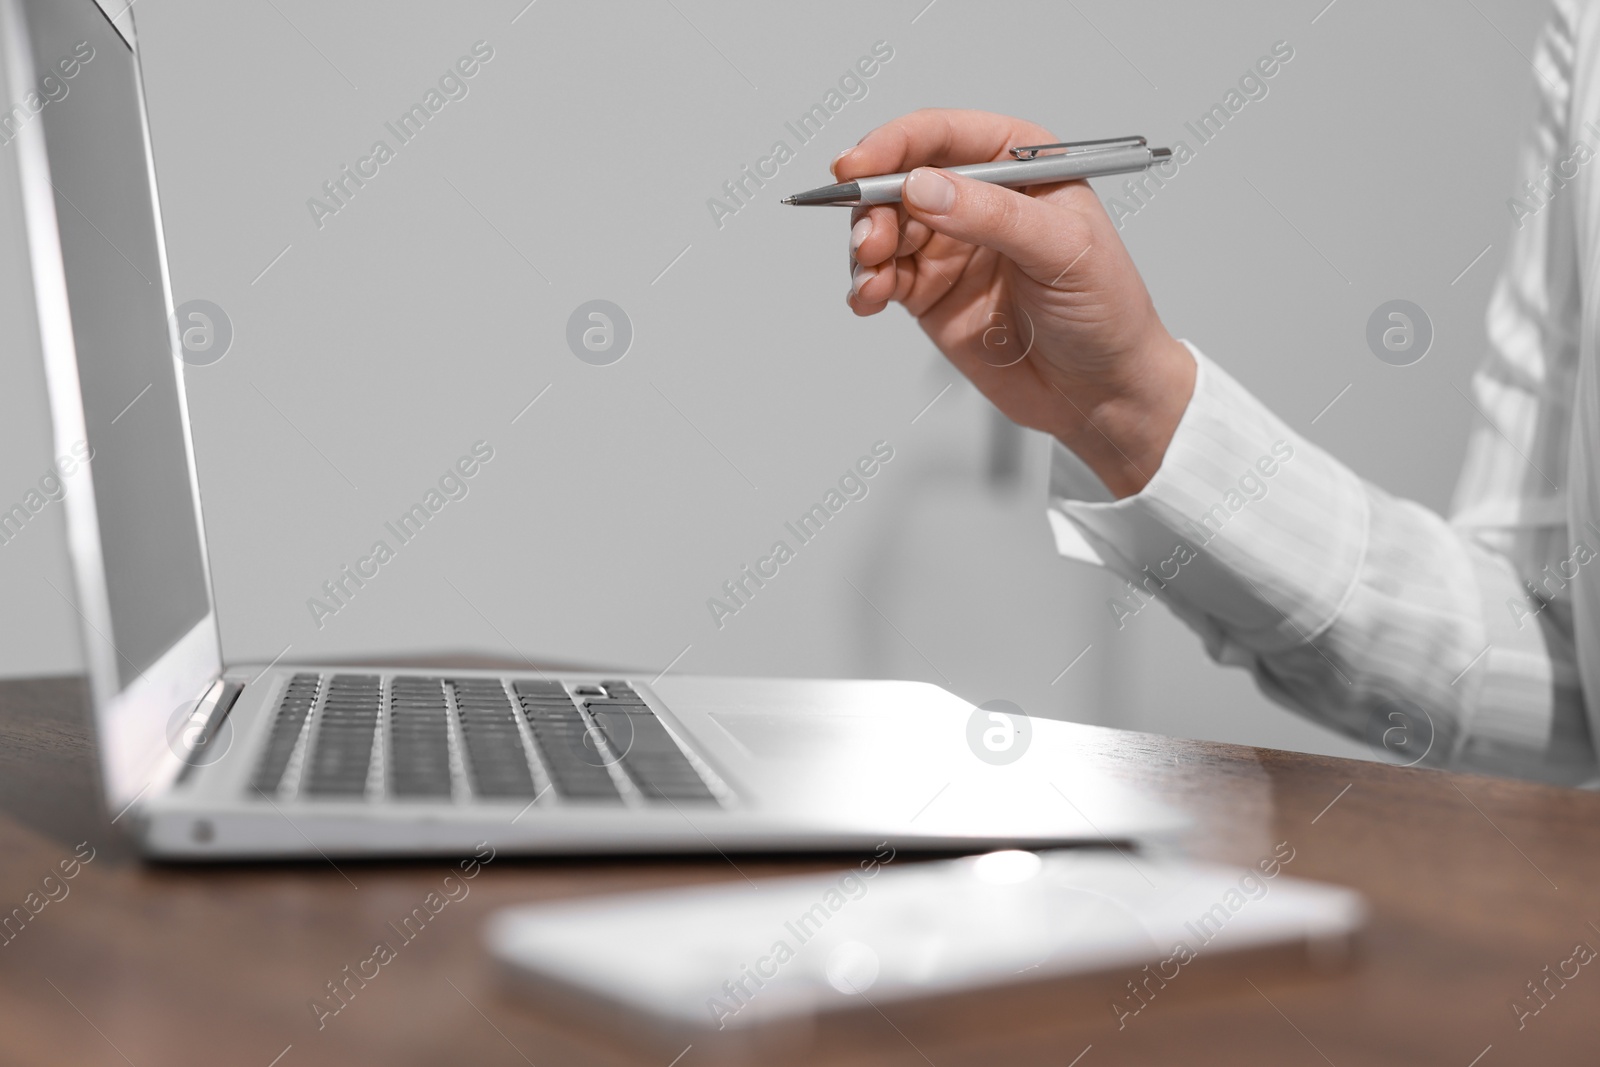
column 149, row 531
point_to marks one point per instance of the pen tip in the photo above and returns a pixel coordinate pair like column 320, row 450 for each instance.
column 789, row 199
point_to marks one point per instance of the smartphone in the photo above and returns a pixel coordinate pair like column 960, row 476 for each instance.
column 688, row 963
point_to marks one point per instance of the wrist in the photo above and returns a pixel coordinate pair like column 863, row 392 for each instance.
column 1121, row 428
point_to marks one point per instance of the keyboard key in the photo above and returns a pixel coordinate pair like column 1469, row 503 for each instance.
column 538, row 687
column 613, row 693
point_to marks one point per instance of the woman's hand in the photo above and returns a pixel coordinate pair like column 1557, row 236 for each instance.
column 1029, row 292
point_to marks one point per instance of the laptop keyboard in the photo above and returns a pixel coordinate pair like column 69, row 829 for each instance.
column 365, row 737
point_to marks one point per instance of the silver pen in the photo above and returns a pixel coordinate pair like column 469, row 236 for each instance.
column 1079, row 159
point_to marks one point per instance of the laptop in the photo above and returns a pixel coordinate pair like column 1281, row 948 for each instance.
column 202, row 758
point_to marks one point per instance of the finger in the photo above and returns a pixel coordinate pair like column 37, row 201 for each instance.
column 876, row 233
column 875, row 284
column 862, row 306
column 894, row 283
column 881, row 233
column 905, row 280
column 936, row 137
column 900, row 237
column 914, row 234
column 1046, row 238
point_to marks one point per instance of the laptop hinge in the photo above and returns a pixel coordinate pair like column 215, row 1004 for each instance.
column 204, row 723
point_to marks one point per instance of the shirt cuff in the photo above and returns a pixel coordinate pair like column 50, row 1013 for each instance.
column 1245, row 523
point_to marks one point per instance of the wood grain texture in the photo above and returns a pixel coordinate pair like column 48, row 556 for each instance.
column 1476, row 885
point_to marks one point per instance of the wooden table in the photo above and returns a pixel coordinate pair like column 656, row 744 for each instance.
column 1476, row 886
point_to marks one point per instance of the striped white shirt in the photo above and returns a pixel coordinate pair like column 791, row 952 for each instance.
column 1453, row 643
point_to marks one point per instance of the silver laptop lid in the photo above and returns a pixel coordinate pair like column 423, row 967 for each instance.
column 76, row 130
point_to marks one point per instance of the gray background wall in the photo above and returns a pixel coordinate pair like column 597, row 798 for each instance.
column 426, row 314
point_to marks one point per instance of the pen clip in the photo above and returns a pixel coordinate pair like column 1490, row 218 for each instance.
column 1031, row 151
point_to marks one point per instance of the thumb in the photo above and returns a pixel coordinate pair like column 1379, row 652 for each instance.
column 1042, row 237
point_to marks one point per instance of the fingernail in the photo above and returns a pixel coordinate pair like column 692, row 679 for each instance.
column 861, row 276
column 834, row 166
column 931, row 191
column 859, row 233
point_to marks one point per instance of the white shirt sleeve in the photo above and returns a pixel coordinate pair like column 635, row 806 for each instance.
column 1354, row 607
column 1367, row 613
